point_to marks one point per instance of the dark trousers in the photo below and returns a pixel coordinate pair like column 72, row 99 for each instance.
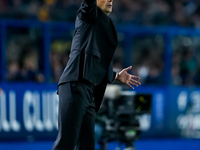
column 76, row 117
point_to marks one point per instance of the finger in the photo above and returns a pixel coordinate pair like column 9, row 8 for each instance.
column 134, row 81
column 130, row 86
column 135, row 77
column 129, row 68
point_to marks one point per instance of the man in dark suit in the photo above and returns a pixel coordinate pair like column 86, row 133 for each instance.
column 83, row 82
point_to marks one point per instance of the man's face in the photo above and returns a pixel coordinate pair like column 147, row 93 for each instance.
column 105, row 5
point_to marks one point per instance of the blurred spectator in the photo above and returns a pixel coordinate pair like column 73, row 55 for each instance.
column 59, row 57
column 33, row 9
column 13, row 71
column 188, row 67
column 30, row 67
column 175, row 72
column 155, row 75
column 185, row 61
column 43, row 14
column 22, row 55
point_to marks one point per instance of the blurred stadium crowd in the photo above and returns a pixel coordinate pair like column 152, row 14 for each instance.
column 141, row 12
column 148, row 51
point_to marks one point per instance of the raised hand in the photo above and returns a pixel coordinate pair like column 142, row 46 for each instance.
column 130, row 80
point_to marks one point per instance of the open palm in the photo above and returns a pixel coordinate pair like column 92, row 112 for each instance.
column 128, row 79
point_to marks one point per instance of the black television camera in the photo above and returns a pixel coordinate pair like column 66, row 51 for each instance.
column 118, row 116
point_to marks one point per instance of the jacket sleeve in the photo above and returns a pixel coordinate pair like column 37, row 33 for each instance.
column 111, row 73
column 89, row 10
column 114, row 75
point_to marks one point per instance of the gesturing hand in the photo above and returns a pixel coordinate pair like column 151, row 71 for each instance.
column 124, row 77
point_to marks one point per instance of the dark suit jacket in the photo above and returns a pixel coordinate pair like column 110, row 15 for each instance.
column 93, row 47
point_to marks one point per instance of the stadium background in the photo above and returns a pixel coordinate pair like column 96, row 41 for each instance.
column 159, row 38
